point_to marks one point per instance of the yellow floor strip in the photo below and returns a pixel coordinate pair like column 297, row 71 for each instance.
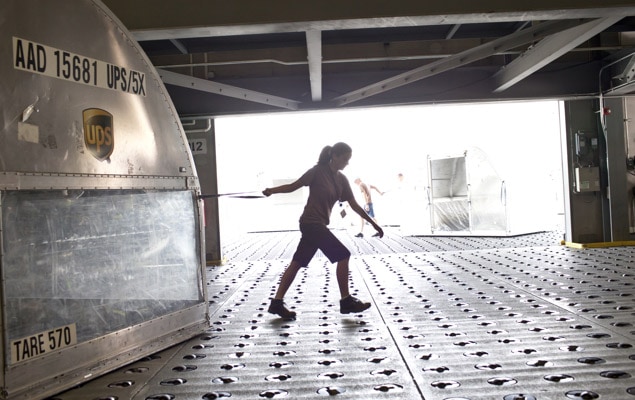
column 597, row 245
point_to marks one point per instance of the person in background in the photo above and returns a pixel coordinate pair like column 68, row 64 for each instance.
column 327, row 185
column 368, row 206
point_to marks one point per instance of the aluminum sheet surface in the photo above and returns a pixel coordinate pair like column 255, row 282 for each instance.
column 82, row 97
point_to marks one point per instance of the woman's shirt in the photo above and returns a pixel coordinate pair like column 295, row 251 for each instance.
column 325, row 189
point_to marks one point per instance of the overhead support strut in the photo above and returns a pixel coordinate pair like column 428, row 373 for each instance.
column 222, row 89
column 314, row 49
column 179, row 45
column 519, row 38
column 548, row 50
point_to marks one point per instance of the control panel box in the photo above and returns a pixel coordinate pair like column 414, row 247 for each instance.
column 587, row 179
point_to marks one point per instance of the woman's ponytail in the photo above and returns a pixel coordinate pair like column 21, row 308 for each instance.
column 325, row 155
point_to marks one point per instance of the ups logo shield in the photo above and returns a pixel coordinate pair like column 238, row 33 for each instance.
column 98, row 133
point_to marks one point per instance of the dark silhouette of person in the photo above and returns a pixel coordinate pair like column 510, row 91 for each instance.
column 327, row 186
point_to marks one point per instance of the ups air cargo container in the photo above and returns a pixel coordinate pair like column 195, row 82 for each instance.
column 101, row 228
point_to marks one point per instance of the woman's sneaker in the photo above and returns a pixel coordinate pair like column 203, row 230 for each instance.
column 277, row 307
column 352, row 304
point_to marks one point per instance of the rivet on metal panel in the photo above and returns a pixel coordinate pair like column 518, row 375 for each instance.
column 553, row 338
column 274, row 393
column 524, row 351
column 598, row 335
column 329, row 362
column 582, row 395
column 330, row 391
column 558, row 378
column 519, row 396
column 229, row 367
column 281, row 364
column 475, row 354
column 498, row 381
column 173, row 382
column 225, row 379
column 201, row 346
column 162, row 396
column 330, row 351
column 388, row 387
column 539, row 363
column 193, row 356
column 121, row 384
column 386, row 372
column 619, row 345
column 488, row 366
column 330, row 375
column 439, row 370
column 216, row 395
column 284, row 353
column 278, row 378
column 445, row 384
column 465, row 343
column 591, row 360
column 615, row 374
column 410, row 337
column 377, row 360
column 373, row 349
column 184, row 368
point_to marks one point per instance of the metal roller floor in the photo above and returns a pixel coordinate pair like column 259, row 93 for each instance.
column 518, row 318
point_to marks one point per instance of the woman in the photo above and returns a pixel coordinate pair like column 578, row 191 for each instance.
column 327, row 185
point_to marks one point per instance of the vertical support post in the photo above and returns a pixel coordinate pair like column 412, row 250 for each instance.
column 202, row 140
column 583, row 210
column 614, row 133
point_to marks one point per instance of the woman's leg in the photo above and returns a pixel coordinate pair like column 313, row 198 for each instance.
column 287, row 279
column 342, row 276
column 348, row 303
column 277, row 305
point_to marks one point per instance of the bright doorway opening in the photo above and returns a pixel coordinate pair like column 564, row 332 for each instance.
column 518, row 141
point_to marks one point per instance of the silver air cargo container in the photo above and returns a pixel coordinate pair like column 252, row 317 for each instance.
column 101, row 228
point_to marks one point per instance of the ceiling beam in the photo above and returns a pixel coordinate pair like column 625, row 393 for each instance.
column 222, row 89
column 152, row 20
column 179, row 45
column 508, row 42
column 453, row 31
column 314, row 50
column 548, row 50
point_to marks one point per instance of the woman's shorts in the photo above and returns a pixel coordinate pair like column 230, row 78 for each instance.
column 314, row 237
